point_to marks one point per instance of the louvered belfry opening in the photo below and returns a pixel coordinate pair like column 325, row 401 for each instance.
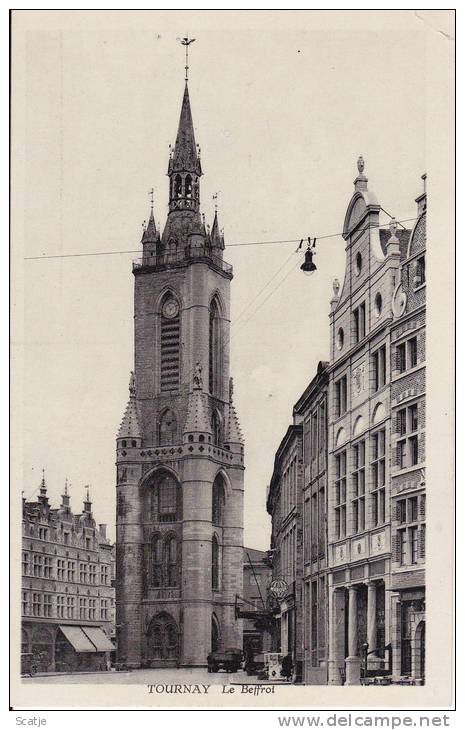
column 169, row 356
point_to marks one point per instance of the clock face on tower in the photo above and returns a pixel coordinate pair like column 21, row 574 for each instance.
column 170, row 309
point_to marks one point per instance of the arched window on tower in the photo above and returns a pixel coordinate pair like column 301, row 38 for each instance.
column 167, row 428
column 171, row 561
column 165, row 499
column 156, row 561
column 218, row 501
column 170, row 327
column 188, row 186
column 214, row 369
column 178, row 186
column 215, row 564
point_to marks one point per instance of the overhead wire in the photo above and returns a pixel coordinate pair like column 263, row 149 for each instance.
column 229, row 245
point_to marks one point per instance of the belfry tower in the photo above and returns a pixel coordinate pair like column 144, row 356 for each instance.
column 180, row 459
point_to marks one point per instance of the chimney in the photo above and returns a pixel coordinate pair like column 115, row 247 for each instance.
column 103, row 531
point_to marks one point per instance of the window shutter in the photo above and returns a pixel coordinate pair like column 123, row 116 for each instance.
column 422, row 542
column 396, row 547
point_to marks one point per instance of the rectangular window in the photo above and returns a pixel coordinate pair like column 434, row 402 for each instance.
column 88, row 543
column 92, row 612
column 25, row 603
column 43, row 533
column 413, row 352
column 378, row 472
column 341, row 396
column 61, row 607
column 413, row 540
column 83, row 608
column 407, row 426
column 321, row 523
column 37, row 604
column 71, row 571
column 413, row 417
column 70, row 606
column 92, row 574
column 340, row 495
column 403, row 547
column 83, row 573
column 358, row 487
column 60, row 569
column 359, row 317
column 25, row 564
column 47, row 566
column 379, row 366
column 402, row 510
column 401, row 357
column 413, row 509
column 420, row 274
column 66, row 538
column 104, row 575
column 37, row 566
column 104, row 609
column 47, row 605
column 314, row 435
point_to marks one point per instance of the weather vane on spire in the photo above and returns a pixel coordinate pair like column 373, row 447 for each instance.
column 186, row 41
column 215, row 198
column 151, row 194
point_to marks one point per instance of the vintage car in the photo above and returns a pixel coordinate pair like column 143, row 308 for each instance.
column 230, row 660
column 255, row 664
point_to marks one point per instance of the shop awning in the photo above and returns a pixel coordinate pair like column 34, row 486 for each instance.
column 98, row 637
column 77, row 638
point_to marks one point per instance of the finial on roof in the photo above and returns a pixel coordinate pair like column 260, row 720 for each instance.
column 66, row 487
column 231, row 388
column 393, row 227
column 186, row 41
column 361, row 165
column 43, row 486
column 336, row 287
column 197, row 379
column 132, row 385
column 151, row 193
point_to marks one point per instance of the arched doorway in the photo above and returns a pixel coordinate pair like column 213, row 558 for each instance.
column 215, row 634
column 422, row 629
column 163, row 641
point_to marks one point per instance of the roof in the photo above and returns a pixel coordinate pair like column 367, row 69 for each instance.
column 197, row 413
column 319, row 380
column 256, row 556
column 185, row 157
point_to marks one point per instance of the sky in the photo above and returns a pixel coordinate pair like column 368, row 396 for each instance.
column 283, row 104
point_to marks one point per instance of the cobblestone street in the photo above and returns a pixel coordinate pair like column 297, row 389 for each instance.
column 146, row 676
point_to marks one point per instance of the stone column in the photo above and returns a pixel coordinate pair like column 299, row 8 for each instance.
column 373, row 660
column 395, row 635
column 336, row 621
column 352, row 661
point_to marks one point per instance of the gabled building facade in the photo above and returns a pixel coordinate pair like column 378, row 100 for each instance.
column 284, row 504
column 311, row 410
column 68, row 597
column 180, row 454
column 408, row 455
